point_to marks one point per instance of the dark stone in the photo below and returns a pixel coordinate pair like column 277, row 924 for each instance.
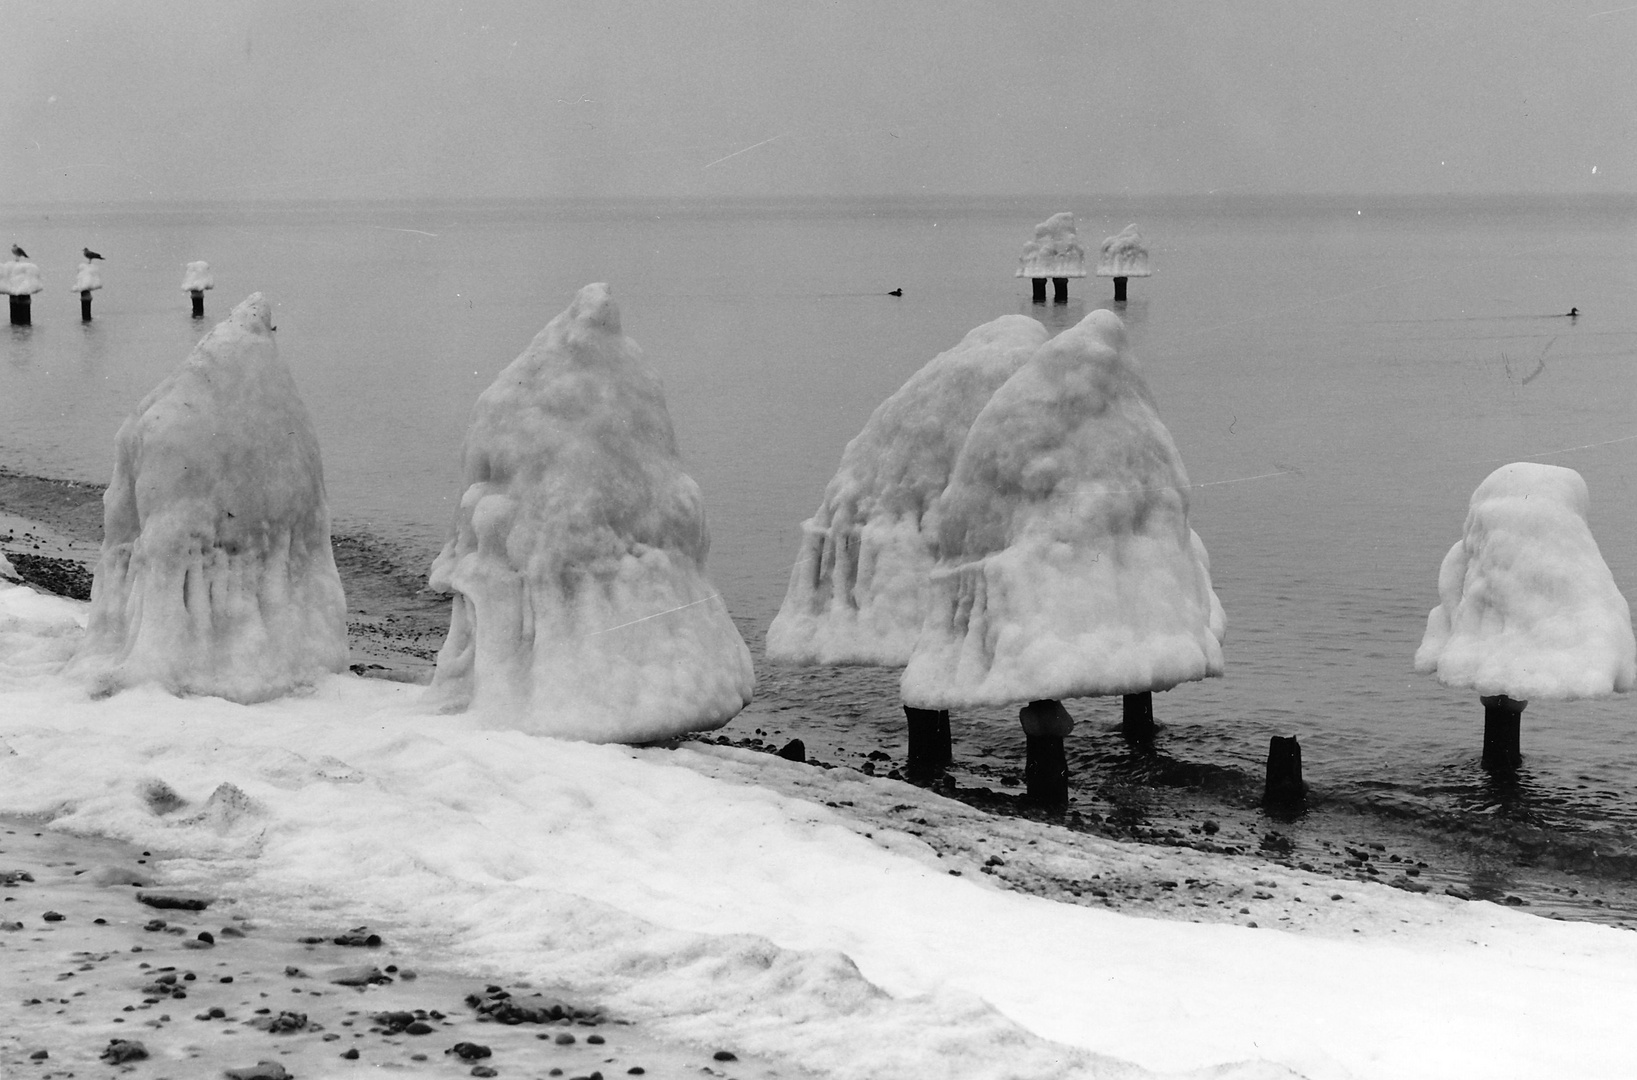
column 119, row 1051
column 261, row 1070
column 39, row 1055
column 53, row 916
column 351, row 1055
column 176, row 901
column 419, row 1027
column 725, row 1055
column 469, row 1051
column 359, row 937
column 794, row 750
column 484, row 1070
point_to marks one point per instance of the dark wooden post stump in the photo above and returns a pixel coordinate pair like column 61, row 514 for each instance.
column 930, row 748
column 85, row 305
column 1137, row 719
column 1503, row 723
column 1119, row 290
column 1284, row 789
column 198, row 302
column 1046, row 763
column 1060, row 290
column 22, row 310
column 1039, row 285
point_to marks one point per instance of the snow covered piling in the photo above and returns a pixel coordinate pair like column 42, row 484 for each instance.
column 1066, row 567
column 1527, row 607
column 581, row 609
column 20, row 280
column 1055, row 253
column 86, row 282
column 196, row 278
column 1284, row 791
column 216, row 575
column 1124, row 255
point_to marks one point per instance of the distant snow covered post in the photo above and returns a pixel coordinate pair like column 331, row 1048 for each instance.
column 196, row 279
column 581, row 608
column 858, row 588
column 1123, row 256
column 216, row 575
column 1527, row 607
column 20, row 280
column 1054, row 253
column 1067, row 567
column 85, row 283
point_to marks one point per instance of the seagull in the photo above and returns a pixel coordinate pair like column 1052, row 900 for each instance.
column 19, row 252
column 89, row 254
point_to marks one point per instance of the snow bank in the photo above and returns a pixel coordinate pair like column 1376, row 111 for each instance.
column 87, row 279
column 196, row 277
column 21, row 278
column 581, row 606
column 216, row 574
column 1527, row 606
column 696, row 891
column 858, row 589
column 1124, row 255
column 1054, row 251
column 1067, row 566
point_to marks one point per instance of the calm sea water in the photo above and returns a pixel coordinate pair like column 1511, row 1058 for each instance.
column 1338, row 375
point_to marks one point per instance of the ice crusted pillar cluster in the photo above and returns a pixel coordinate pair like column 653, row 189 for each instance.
column 857, row 591
column 577, row 564
column 216, row 574
column 1527, row 607
column 1067, row 566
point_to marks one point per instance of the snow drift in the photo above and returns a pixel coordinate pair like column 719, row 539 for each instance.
column 216, row 574
column 577, row 564
column 858, row 589
column 1527, row 606
column 1067, row 566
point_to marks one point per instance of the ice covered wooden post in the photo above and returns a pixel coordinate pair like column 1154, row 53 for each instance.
column 1123, row 256
column 1528, row 609
column 20, row 280
column 85, row 283
column 1067, row 567
column 581, row 609
column 1284, row 790
column 195, row 280
column 1053, row 253
column 216, row 575
column 858, row 587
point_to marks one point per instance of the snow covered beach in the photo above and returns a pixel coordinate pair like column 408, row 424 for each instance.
column 790, row 911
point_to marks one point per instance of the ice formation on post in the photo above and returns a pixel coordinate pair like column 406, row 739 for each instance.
column 1067, row 567
column 577, row 564
column 20, row 278
column 87, row 280
column 1124, row 255
column 196, row 277
column 858, row 590
column 1527, row 606
column 216, row 575
column 1055, row 251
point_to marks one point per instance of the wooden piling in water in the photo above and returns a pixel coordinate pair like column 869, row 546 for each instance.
column 1503, row 727
column 1284, row 789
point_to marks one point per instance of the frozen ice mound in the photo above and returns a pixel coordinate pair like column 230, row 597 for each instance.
column 857, row 592
column 1527, row 606
column 87, row 279
column 1124, row 255
column 20, row 278
column 216, row 574
column 1067, row 567
column 196, row 277
column 1054, row 251
column 577, row 564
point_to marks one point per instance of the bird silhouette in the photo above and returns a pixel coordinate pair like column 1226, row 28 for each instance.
column 19, row 252
column 89, row 254
column 896, row 292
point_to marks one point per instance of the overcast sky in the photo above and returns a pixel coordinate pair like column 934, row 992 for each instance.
column 335, row 99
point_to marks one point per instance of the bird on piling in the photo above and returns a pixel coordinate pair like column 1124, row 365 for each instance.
column 89, row 254
column 18, row 251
